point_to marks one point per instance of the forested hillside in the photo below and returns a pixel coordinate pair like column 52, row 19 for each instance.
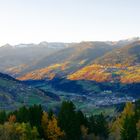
column 14, row 93
column 33, row 123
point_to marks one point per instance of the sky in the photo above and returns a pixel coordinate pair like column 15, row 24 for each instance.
column 33, row 21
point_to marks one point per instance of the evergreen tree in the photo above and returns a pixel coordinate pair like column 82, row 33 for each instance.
column 138, row 130
column 35, row 116
column 68, row 122
column 98, row 125
column 101, row 126
column 3, row 117
column 128, row 131
column 81, row 118
column 22, row 114
column 50, row 113
column 137, row 110
column 91, row 124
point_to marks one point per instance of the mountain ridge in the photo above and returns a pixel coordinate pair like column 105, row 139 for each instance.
column 48, row 62
column 119, row 65
column 15, row 93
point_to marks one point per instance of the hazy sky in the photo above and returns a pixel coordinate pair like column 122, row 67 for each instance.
column 26, row 21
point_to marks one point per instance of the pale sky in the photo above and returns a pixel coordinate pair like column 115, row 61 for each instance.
column 33, row 21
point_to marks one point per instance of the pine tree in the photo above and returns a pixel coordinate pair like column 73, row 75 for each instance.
column 3, row 117
column 128, row 131
column 68, row 122
column 22, row 114
column 91, row 124
column 138, row 130
column 101, row 126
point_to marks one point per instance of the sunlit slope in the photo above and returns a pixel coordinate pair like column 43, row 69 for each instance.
column 120, row 65
column 100, row 73
column 67, row 61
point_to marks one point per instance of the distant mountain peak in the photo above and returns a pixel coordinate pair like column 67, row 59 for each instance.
column 44, row 43
column 25, row 45
column 7, row 45
column 134, row 39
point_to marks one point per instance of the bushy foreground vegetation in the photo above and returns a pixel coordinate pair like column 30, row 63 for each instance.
column 32, row 123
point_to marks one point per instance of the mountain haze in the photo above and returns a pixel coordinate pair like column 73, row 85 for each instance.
column 14, row 59
column 67, row 60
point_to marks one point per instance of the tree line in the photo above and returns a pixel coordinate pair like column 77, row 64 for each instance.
column 33, row 123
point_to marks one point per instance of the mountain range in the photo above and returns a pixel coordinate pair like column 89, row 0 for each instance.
column 97, row 61
column 15, row 58
column 84, row 72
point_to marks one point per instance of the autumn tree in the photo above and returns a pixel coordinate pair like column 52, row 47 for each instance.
column 54, row 132
column 17, row 131
column 50, row 127
column 12, row 119
column 44, row 124
column 84, row 131
column 119, row 123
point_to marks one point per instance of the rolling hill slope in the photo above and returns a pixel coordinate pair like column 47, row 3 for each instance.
column 14, row 93
column 119, row 65
column 127, row 55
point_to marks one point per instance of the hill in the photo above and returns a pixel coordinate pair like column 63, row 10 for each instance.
column 14, row 93
column 127, row 55
column 119, row 65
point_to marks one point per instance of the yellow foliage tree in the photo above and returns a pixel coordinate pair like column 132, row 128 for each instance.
column 54, row 131
column 50, row 127
column 44, row 123
column 128, row 110
column 84, row 131
column 117, row 125
column 18, row 131
column 12, row 119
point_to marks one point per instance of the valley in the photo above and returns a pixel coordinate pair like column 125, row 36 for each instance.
column 69, row 70
column 89, row 96
column 96, row 76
